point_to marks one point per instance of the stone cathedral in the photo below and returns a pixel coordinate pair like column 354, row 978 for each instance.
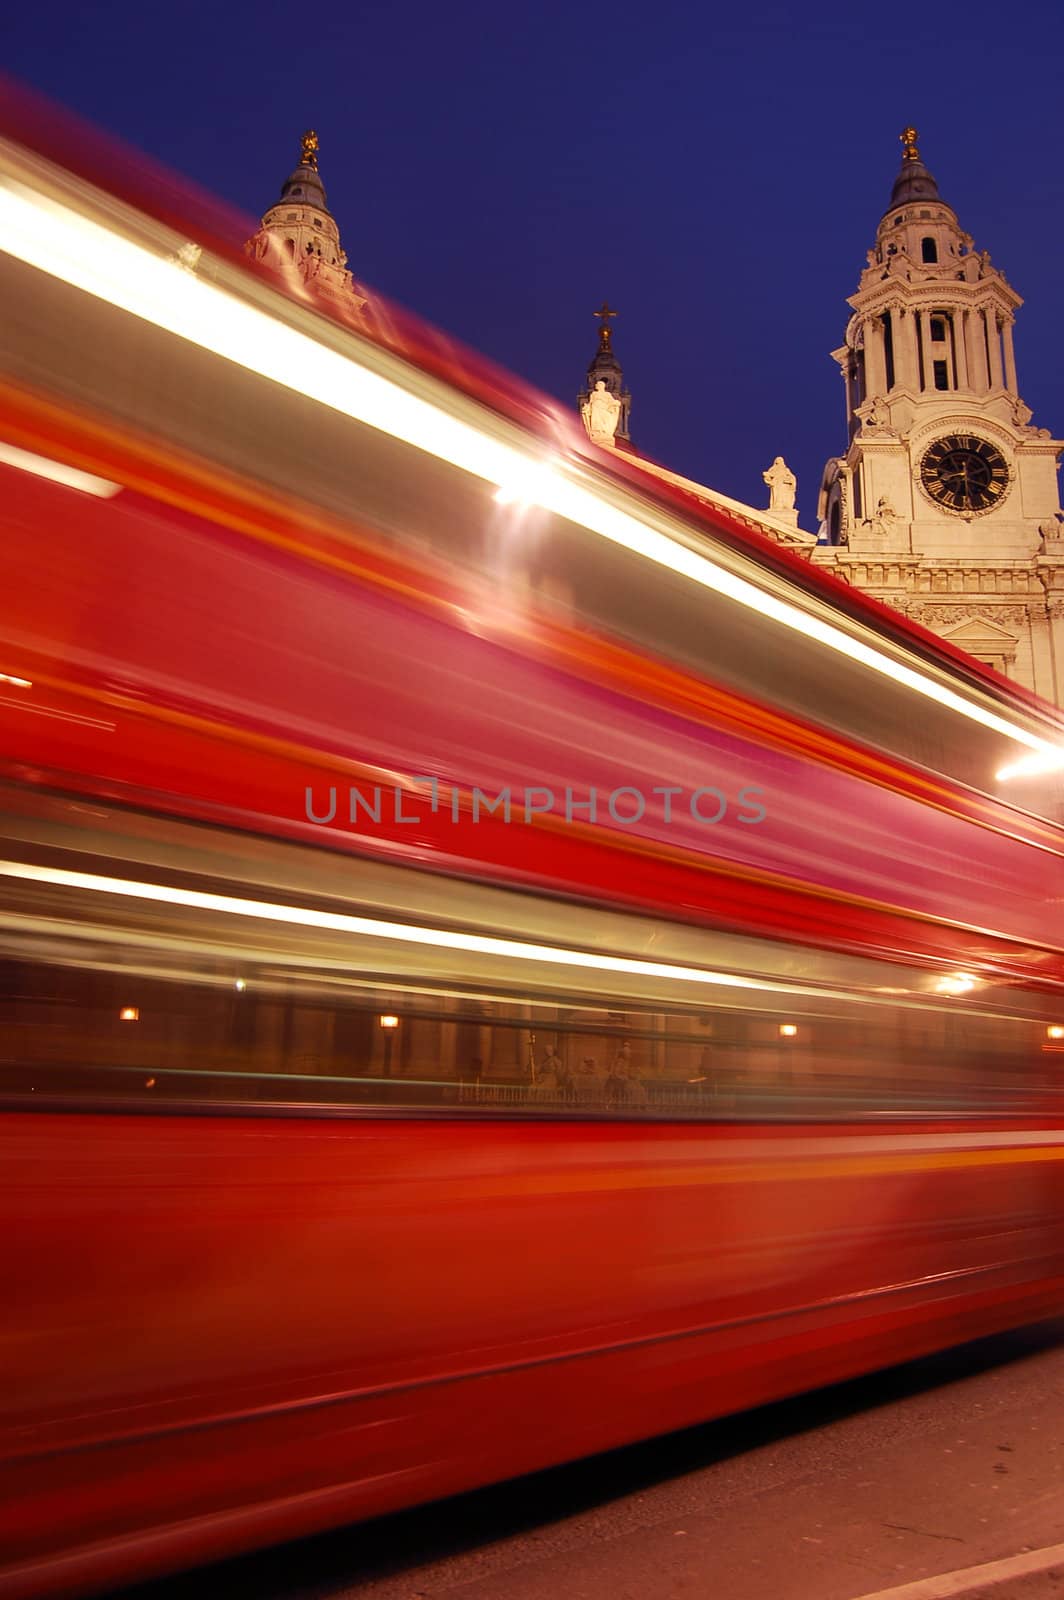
column 944, row 503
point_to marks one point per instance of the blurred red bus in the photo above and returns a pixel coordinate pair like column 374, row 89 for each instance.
column 497, row 961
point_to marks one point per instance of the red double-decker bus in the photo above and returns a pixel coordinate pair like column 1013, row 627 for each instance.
column 498, row 960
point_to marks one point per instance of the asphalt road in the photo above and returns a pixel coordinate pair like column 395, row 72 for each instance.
column 944, row 1464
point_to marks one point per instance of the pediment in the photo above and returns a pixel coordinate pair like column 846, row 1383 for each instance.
column 978, row 630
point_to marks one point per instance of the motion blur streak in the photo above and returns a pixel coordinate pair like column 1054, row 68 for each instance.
column 60, row 242
column 347, row 1164
column 1049, row 760
column 378, row 930
column 57, row 471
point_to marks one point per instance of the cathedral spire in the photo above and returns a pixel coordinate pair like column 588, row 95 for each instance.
column 309, row 149
column 913, row 182
column 606, row 419
column 945, row 502
column 304, row 183
column 300, row 232
column 605, row 316
column 929, row 344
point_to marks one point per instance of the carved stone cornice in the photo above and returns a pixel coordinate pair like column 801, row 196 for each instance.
column 928, row 294
column 982, row 585
column 947, row 616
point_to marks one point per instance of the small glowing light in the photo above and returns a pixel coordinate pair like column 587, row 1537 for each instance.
column 58, row 472
column 149, row 1083
column 788, row 1030
column 20, row 683
column 1055, row 1031
column 702, row 1079
column 240, row 986
column 956, row 983
column 388, row 1022
column 129, row 1014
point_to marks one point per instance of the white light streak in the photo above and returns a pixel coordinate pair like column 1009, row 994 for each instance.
column 375, row 928
column 1049, row 760
column 57, row 472
column 536, row 485
column 68, row 246
column 956, row 983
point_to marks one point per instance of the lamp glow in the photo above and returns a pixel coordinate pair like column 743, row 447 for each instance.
column 956, row 983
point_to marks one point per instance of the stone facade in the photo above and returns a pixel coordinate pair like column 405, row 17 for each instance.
column 605, row 369
column 945, row 503
column 299, row 235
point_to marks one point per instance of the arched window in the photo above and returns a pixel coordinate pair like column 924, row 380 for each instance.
column 833, row 523
column 928, row 251
column 290, row 246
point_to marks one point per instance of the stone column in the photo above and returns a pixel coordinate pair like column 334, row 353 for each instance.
column 977, row 351
column 849, row 379
column 875, row 358
column 960, row 353
column 903, row 328
column 925, row 346
column 1010, row 359
column 997, row 376
column 1055, row 617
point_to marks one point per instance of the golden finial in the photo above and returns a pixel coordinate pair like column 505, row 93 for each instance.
column 309, row 157
column 605, row 331
column 909, row 137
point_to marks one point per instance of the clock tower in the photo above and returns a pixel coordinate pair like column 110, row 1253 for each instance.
column 945, row 503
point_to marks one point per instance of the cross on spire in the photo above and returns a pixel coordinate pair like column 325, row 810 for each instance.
column 605, row 331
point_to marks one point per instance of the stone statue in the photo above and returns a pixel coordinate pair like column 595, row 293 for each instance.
column 189, row 256
column 601, row 413
column 885, row 517
column 1051, row 530
column 782, row 485
column 875, row 415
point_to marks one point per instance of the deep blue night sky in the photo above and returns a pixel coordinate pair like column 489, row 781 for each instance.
column 717, row 176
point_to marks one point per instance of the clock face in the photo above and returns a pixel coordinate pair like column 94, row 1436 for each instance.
column 963, row 473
